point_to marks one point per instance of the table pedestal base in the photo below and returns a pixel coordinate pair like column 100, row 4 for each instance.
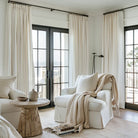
column 29, row 123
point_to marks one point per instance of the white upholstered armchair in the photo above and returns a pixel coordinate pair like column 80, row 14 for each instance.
column 100, row 108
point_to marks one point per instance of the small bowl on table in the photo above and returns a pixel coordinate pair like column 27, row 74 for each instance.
column 22, row 98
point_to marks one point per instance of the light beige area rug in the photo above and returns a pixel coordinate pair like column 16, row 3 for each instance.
column 117, row 128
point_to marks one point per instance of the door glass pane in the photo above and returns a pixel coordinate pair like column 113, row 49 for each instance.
column 56, row 90
column 129, row 65
column 136, row 36
column 129, row 95
column 42, row 91
column 64, row 41
column 56, row 57
column 129, row 79
column 35, row 57
column 64, row 74
column 129, row 51
column 64, row 58
column 64, row 85
column 42, row 39
column 135, row 65
column 35, row 88
column 136, row 96
column 136, row 80
column 136, row 51
column 42, row 75
column 56, row 75
column 129, row 37
column 34, row 37
column 35, row 70
column 42, row 58
column 56, row 40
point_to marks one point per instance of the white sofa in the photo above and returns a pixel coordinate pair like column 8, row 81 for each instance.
column 100, row 108
column 9, row 111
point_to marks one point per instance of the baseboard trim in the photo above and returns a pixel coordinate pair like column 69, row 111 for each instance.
column 131, row 106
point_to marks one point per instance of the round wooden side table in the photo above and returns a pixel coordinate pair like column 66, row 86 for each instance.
column 29, row 122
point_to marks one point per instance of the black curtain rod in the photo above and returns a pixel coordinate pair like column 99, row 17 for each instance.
column 52, row 9
column 120, row 10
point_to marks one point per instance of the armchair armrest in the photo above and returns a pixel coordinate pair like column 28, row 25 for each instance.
column 104, row 95
column 14, row 93
column 68, row 91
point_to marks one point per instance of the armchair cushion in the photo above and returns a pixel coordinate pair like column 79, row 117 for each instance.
column 5, row 85
column 94, row 104
column 101, row 95
column 105, row 95
column 87, row 83
column 14, row 93
column 7, row 107
column 68, row 91
column 62, row 100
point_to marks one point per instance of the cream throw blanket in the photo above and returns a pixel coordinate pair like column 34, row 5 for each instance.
column 77, row 110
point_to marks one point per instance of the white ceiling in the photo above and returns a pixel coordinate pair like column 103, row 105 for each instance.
column 85, row 6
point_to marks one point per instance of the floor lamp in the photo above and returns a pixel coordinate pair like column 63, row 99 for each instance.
column 95, row 55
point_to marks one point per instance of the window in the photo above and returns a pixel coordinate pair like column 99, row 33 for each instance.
column 51, row 60
column 131, row 64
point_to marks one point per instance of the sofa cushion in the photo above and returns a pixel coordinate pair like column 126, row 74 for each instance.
column 87, row 83
column 7, row 107
column 62, row 100
column 94, row 104
column 5, row 85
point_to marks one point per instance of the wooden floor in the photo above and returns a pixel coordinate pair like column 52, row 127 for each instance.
column 123, row 126
column 127, row 114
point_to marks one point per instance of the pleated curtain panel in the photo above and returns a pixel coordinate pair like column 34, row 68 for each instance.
column 18, row 58
column 78, row 44
column 113, row 50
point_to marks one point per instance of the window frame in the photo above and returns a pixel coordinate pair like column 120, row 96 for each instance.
column 127, row 104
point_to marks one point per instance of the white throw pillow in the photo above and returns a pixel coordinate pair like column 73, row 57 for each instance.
column 5, row 84
column 87, row 83
column 14, row 93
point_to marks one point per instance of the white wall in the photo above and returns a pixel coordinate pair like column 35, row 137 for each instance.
column 47, row 18
column 3, row 4
column 131, row 16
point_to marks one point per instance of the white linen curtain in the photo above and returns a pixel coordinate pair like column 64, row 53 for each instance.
column 18, row 59
column 113, row 50
column 78, row 44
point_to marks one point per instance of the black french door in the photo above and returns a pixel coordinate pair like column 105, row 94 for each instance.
column 51, row 60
